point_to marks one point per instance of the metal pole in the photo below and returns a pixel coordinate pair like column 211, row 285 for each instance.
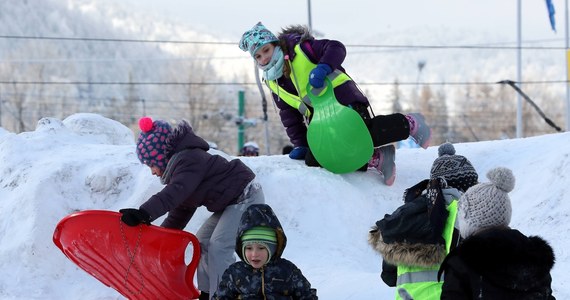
column 264, row 107
column 421, row 65
column 519, row 70
column 567, row 71
column 310, row 21
column 143, row 107
column 241, row 127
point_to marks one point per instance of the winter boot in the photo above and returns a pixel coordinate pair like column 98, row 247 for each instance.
column 383, row 160
column 419, row 130
column 204, row 296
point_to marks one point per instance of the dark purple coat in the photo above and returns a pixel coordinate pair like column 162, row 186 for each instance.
column 330, row 52
column 193, row 178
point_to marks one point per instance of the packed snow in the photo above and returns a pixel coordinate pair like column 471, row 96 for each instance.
column 86, row 162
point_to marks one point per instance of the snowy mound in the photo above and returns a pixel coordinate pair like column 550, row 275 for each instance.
column 88, row 162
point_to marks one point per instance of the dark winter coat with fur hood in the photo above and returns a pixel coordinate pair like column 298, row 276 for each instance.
column 324, row 51
column 278, row 279
column 412, row 251
column 499, row 263
column 194, row 177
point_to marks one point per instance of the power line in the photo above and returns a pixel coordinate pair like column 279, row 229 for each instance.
column 459, row 47
column 201, row 104
column 22, row 37
column 118, row 83
column 478, row 46
column 115, row 60
column 253, row 83
column 462, row 83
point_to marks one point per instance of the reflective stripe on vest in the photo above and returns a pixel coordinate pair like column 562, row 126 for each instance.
column 417, row 277
column 301, row 67
column 412, row 275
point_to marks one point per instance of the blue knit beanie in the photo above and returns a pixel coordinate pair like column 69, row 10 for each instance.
column 151, row 144
column 256, row 38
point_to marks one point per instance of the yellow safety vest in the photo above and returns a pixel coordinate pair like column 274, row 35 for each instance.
column 301, row 67
column 420, row 282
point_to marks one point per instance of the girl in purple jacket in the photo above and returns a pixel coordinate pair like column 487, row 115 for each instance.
column 193, row 178
column 294, row 58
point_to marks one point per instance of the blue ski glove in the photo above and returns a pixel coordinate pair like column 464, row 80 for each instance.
column 134, row 217
column 318, row 74
column 298, row 152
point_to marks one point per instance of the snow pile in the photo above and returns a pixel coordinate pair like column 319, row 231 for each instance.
column 88, row 162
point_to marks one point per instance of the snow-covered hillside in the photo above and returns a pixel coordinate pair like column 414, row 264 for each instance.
column 86, row 162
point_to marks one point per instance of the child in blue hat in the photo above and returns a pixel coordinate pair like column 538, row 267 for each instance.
column 294, row 59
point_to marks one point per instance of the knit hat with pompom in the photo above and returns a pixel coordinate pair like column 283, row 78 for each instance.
column 486, row 204
column 455, row 169
column 151, row 144
column 255, row 38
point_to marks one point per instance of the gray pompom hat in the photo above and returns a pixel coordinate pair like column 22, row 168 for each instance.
column 487, row 204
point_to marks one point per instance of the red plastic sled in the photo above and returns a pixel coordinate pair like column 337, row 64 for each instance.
column 142, row 262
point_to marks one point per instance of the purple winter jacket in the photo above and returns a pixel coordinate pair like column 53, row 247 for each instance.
column 193, row 178
column 330, row 52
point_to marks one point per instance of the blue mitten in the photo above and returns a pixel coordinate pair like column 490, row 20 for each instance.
column 318, row 74
column 298, row 152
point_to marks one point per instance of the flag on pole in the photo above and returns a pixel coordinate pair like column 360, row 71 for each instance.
column 551, row 12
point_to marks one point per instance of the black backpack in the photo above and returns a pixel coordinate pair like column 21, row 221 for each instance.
column 422, row 217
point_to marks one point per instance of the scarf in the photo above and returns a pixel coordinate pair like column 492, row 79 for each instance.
column 165, row 178
column 274, row 69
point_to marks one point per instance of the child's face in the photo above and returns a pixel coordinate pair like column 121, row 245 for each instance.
column 156, row 171
column 257, row 255
column 264, row 54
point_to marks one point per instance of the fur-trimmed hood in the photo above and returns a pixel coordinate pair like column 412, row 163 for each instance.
column 412, row 253
column 418, row 254
column 297, row 33
column 291, row 36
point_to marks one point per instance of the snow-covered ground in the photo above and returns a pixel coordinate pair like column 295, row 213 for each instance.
column 88, row 162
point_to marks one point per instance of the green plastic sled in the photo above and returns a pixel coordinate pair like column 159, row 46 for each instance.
column 337, row 135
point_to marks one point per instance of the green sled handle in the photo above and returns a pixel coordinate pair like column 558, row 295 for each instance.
column 337, row 135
